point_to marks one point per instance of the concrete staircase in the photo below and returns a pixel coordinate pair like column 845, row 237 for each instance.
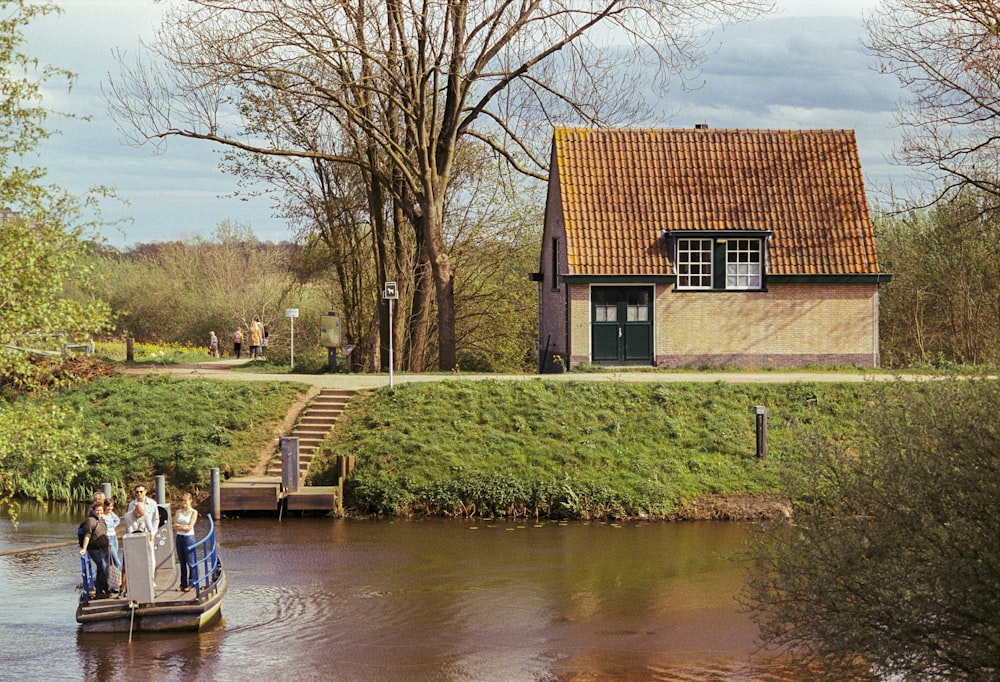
column 315, row 422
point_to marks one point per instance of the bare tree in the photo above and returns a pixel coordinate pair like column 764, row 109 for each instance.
column 945, row 53
column 399, row 84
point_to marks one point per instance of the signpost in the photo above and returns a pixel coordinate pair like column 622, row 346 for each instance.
column 291, row 314
column 390, row 294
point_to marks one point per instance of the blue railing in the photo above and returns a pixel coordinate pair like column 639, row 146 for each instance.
column 203, row 560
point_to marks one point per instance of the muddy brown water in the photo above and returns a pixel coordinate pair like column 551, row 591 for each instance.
column 414, row 600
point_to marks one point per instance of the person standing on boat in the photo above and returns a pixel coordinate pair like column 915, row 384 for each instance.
column 152, row 515
column 184, row 522
column 95, row 545
column 137, row 521
column 112, row 521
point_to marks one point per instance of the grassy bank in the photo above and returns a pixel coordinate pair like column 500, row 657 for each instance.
column 576, row 449
column 587, row 449
column 125, row 429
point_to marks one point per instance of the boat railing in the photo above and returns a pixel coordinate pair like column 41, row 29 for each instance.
column 203, row 560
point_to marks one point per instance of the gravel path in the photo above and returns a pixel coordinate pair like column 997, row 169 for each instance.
column 231, row 370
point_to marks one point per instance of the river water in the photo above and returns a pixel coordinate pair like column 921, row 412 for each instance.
column 413, row 600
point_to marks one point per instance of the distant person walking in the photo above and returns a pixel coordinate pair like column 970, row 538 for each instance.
column 256, row 338
column 237, row 342
column 213, row 345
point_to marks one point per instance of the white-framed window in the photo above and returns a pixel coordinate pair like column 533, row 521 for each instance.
column 720, row 263
column 694, row 263
column 743, row 263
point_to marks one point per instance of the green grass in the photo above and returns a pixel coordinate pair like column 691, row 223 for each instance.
column 582, row 449
column 143, row 426
column 578, row 449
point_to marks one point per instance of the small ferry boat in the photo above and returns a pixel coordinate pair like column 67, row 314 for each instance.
column 152, row 600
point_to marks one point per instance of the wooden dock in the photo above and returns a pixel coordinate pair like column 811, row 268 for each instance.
column 264, row 494
column 277, row 491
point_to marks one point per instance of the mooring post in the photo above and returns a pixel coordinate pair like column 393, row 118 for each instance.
column 760, row 412
column 216, row 497
column 289, row 463
column 161, row 488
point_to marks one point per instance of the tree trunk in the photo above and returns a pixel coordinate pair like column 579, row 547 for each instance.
column 419, row 326
column 444, row 281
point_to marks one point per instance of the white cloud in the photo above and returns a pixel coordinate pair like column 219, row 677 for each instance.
column 803, row 66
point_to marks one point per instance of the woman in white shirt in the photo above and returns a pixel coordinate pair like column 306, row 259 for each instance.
column 184, row 522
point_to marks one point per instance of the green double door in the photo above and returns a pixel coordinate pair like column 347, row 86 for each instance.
column 622, row 325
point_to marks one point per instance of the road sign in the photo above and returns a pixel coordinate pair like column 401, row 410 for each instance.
column 390, row 291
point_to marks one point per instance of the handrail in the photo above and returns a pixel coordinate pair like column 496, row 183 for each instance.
column 203, row 560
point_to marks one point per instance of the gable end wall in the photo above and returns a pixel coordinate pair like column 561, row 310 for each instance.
column 790, row 325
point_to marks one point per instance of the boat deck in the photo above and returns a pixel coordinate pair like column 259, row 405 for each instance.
column 157, row 605
column 170, row 609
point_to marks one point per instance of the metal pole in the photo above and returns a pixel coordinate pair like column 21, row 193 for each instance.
column 290, row 469
column 161, row 488
column 291, row 321
column 390, row 343
column 216, row 495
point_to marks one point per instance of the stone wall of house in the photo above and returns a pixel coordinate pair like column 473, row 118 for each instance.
column 553, row 351
column 788, row 325
column 579, row 329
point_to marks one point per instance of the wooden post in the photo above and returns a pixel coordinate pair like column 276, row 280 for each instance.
column 129, row 349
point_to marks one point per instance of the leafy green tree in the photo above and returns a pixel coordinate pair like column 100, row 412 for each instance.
column 180, row 291
column 42, row 234
column 494, row 241
column 891, row 568
column 42, row 446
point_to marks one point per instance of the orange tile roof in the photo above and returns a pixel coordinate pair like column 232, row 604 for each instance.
column 619, row 188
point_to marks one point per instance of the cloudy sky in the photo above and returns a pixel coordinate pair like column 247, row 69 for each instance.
column 802, row 67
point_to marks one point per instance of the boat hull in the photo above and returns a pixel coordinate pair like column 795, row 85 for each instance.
column 168, row 614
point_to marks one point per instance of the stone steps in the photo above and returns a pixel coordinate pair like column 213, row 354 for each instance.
column 314, row 424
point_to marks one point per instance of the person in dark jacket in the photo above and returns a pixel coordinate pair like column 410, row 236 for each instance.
column 95, row 545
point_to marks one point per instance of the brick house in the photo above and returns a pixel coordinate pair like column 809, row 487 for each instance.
column 684, row 247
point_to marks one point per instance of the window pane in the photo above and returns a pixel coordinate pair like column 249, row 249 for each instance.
column 743, row 264
column 694, row 263
column 606, row 313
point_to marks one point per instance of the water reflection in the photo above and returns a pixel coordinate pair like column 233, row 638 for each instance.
column 417, row 600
